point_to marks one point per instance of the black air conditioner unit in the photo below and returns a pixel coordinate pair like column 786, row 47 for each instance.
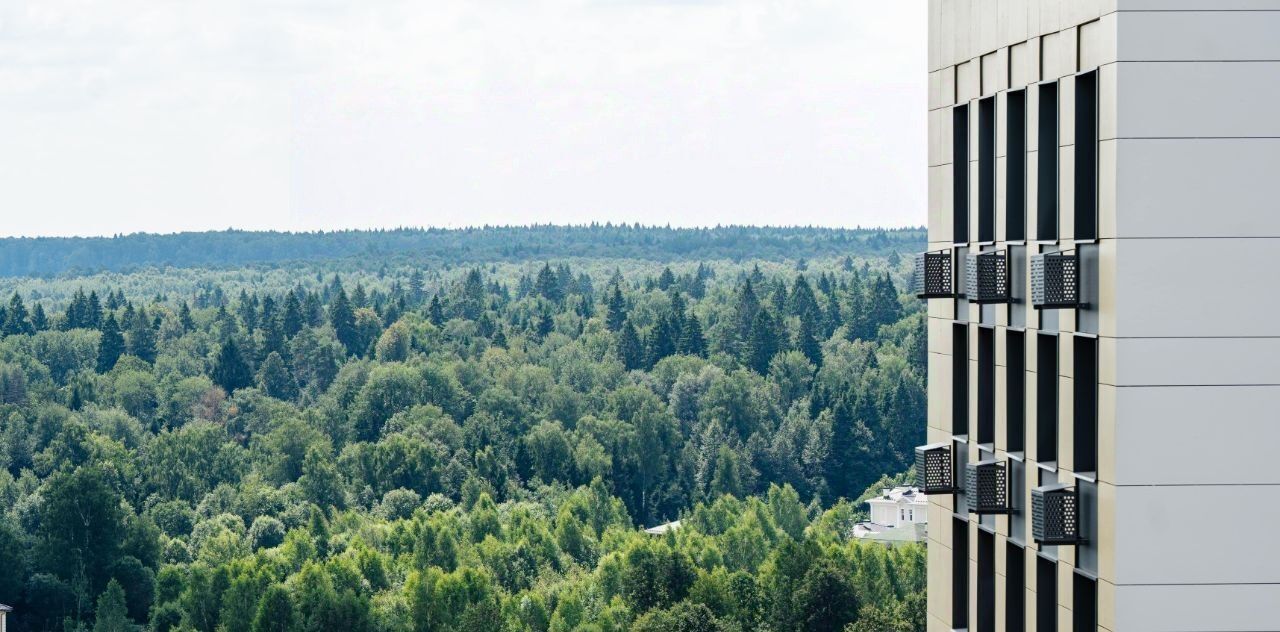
column 935, row 469
column 987, row 277
column 1055, row 515
column 1055, row 280
column 986, row 487
column 934, row 275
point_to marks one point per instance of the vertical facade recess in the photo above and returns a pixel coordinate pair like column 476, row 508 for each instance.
column 987, row 169
column 960, row 173
column 1047, row 163
column 1086, row 156
column 1015, row 181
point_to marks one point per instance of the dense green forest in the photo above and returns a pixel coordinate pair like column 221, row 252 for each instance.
column 56, row 255
column 375, row 444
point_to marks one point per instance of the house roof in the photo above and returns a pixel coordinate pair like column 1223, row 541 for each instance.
column 663, row 528
column 902, row 494
column 916, row 532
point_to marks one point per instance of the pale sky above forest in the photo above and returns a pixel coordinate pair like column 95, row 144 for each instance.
column 137, row 115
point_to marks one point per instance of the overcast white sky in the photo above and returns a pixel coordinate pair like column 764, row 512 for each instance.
column 139, row 115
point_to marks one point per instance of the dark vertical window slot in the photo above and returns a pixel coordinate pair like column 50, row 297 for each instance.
column 987, row 169
column 986, row 385
column 1015, row 391
column 1046, row 595
column 986, row 587
column 1085, row 404
column 1015, row 598
column 960, row 379
column 960, row 573
column 1084, row 606
column 1015, row 181
column 1086, row 153
column 960, row 172
column 1047, row 164
column 1046, row 398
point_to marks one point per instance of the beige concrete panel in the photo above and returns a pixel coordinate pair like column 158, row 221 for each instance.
column 990, row 79
column 935, row 623
column 1002, row 415
column 947, row 34
column 948, row 91
column 1196, row 608
column 1106, row 433
column 967, row 86
column 1067, row 111
column 935, row 90
column 988, row 23
column 1051, row 57
column 1033, row 20
column 1070, row 43
column 1106, row 538
column 1001, row 208
column 942, row 308
column 1107, row 94
column 1020, row 65
column 1107, row 301
column 939, row 336
column 1107, row 188
column 1014, row 13
column 936, row 157
column 1066, row 408
column 963, row 26
column 1197, row 361
column 1051, row 15
column 935, row 34
column 1098, row 42
column 1106, row 605
column 1200, row 5
column 939, row 579
column 940, row 210
column 939, row 380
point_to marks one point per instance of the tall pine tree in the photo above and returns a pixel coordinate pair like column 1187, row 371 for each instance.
column 111, row 345
column 230, row 370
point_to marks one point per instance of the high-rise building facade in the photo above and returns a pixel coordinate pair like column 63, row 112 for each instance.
column 1104, row 315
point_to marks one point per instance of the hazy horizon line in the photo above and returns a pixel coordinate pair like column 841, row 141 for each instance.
column 470, row 227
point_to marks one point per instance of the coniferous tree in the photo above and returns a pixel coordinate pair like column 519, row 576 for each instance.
column 142, row 338
column 184, row 317
column 692, row 341
column 548, row 285
column 763, row 343
column 93, row 310
column 343, row 320
column 230, row 370
column 111, row 345
column 39, row 320
column 16, row 320
column 292, row 319
column 435, row 312
column 630, row 351
column 807, row 341
column 666, row 279
column 616, row 315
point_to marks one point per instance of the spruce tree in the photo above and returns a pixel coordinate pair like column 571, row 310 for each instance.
column 692, row 341
column 630, row 350
column 93, row 311
column 184, row 317
column 142, row 338
column 616, row 315
column 343, row 319
column 111, row 345
column 435, row 313
column 39, row 321
column 230, row 371
column 762, row 345
column 16, row 321
column 807, row 341
column 292, row 319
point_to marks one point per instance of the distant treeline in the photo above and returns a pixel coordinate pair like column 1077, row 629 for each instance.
column 47, row 256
